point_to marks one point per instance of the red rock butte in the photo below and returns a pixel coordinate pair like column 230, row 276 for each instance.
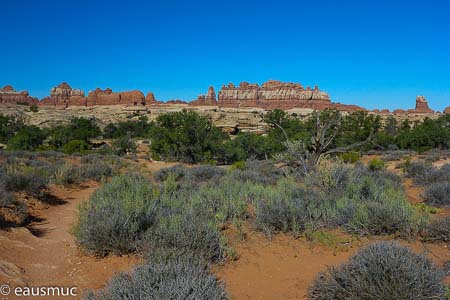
column 270, row 95
column 9, row 95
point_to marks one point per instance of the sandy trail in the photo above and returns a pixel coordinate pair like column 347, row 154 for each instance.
column 45, row 253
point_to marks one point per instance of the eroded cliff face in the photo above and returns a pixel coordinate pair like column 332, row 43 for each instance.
column 273, row 94
column 64, row 96
column 11, row 96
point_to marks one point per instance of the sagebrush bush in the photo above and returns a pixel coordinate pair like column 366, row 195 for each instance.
column 196, row 174
column 382, row 270
column 179, row 171
column 438, row 230
column 30, row 182
column 255, row 171
column 183, row 278
column 116, row 215
column 425, row 174
column 185, row 234
column 438, row 194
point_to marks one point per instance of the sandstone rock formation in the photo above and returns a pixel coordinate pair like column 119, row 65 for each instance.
column 150, row 99
column 10, row 96
column 206, row 100
column 64, row 96
column 108, row 97
column 447, row 110
column 421, row 105
column 276, row 94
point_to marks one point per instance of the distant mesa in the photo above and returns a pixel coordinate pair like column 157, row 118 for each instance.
column 64, row 96
column 272, row 94
column 9, row 95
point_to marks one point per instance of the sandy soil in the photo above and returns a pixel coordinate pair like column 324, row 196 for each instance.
column 285, row 267
column 45, row 253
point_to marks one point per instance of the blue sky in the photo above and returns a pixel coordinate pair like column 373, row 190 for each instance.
column 377, row 54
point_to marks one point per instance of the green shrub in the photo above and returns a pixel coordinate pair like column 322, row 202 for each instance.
column 380, row 271
column 116, row 215
column 185, row 136
column 350, row 157
column 75, row 146
column 178, row 279
column 376, row 164
column 124, row 145
column 29, row 138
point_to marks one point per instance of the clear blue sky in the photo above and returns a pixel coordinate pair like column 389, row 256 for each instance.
column 374, row 53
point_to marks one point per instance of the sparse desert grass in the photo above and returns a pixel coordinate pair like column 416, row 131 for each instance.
column 381, row 271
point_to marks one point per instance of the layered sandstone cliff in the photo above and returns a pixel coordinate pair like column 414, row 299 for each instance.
column 64, row 96
column 273, row 94
column 11, row 96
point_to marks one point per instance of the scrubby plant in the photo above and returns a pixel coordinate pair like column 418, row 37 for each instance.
column 376, row 164
column 185, row 234
column 124, row 145
column 30, row 182
column 438, row 230
column 116, row 215
column 182, row 278
column 382, row 270
column 438, row 194
column 350, row 157
column 424, row 173
column 75, row 146
column 178, row 171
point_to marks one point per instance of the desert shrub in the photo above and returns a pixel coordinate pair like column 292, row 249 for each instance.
column 124, row 145
column 78, row 129
column 178, row 171
column 182, row 278
column 380, row 271
column 425, row 174
column 376, row 164
column 9, row 125
column 28, row 138
column 360, row 200
column 291, row 212
column 205, row 172
column 197, row 174
column 95, row 171
column 256, row 171
column 116, row 215
column 185, row 234
column 185, row 136
column 29, row 182
column 438, row 194
column 438, row 230
column 350, row 157
column 395, row 155
column 75, row 146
